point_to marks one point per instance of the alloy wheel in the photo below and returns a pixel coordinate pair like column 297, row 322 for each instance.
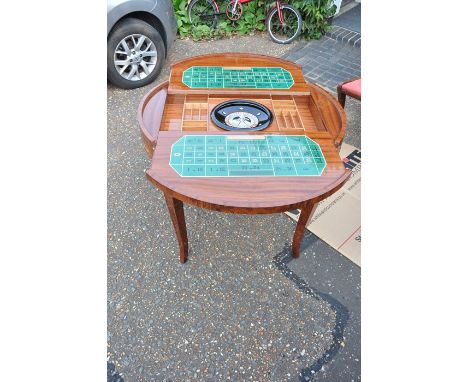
column 135, row 57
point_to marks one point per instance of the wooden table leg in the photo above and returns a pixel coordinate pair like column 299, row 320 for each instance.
column 176, row 210
column 307, row 211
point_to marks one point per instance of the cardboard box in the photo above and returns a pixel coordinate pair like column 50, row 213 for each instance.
column 337, row 220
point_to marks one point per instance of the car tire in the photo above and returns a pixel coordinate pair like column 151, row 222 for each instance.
column 135, row 54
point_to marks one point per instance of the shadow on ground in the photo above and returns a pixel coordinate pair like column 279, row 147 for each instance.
column 281, row 261
column 112, row 374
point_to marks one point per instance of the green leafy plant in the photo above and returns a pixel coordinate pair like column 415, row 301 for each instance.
column 315, row 19
column 183, row 22
column 315, row 16
column 201, row 32
column 225, row 28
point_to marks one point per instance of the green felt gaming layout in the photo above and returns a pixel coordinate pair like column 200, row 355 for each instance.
column 246, row 155
column 218, row 77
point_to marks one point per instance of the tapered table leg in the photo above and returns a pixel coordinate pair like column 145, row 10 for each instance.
column 176, row 210
column 307, row 211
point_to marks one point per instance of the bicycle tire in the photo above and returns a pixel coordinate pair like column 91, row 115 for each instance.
column 193, row 16
column 273, row 15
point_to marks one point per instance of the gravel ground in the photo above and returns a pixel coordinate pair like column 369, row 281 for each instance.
column 231, row 312
column 353, row 130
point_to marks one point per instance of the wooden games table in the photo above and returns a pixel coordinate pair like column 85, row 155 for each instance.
column 292, row 163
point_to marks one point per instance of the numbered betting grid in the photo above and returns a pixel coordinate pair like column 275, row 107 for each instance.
column 229, row 156
column 255, row 78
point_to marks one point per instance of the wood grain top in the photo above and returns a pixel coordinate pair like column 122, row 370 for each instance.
column 236, row 60
column 318, row 114
column 167, row 113
column 244, row 194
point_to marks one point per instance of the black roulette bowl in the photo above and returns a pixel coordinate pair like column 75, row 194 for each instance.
column 241, row 115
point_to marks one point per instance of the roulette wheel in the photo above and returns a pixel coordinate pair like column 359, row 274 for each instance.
column 241, row 115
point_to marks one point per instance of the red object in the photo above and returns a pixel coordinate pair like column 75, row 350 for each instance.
column 350, row 88
column 353, row 89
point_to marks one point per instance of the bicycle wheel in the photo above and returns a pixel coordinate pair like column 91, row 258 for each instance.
column 287, row 32
column 203, row 12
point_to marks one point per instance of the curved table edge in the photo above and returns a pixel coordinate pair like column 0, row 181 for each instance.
column 250, row 210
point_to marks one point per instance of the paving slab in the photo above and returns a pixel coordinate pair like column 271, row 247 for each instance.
column 327, row 61
column 350, row 20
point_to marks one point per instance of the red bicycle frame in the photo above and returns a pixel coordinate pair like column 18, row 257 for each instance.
column 280, row 12
column 278, row 7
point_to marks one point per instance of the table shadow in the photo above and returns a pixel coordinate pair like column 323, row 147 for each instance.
column 281, row 261
column 112, row 374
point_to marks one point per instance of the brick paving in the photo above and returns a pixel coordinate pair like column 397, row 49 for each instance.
column 328, row 61
column 344, row 35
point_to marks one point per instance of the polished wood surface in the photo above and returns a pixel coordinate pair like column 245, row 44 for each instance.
column 291, row 114
column 330, row 113
column 149, row 116
column 236, row 60
column 244, row 194
column 317, row 115
column 307, row 210
column 176, row 211
column 170, row 111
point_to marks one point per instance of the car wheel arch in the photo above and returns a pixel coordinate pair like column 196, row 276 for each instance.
column 149, row 19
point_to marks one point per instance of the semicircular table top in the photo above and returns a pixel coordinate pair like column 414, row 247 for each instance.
column 293, row 163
